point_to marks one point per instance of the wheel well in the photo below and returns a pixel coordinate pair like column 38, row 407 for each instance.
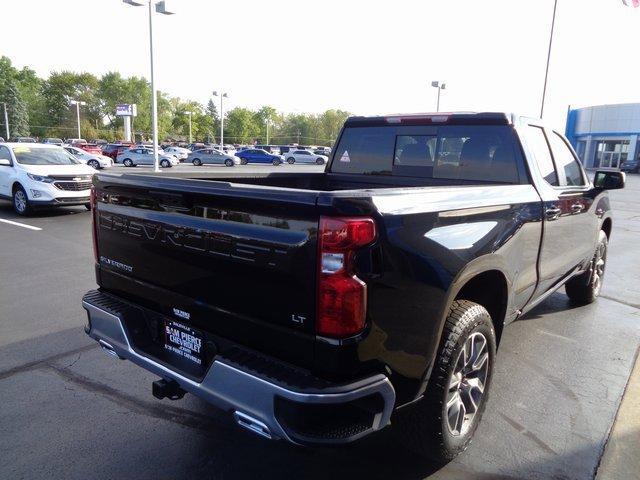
column 606, row 227
column 15, row 186
column 488, row 289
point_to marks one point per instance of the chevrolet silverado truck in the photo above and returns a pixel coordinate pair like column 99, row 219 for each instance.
column 319, row 308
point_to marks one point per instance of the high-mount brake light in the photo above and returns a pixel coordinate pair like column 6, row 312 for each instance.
column 342, row 296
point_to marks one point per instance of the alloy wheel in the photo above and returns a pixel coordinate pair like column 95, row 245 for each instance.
column 20, row 201
column 467, row 384
column 599, row 263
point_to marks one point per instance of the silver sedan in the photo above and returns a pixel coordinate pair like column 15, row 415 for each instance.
column 144, row 156
column 211, row 156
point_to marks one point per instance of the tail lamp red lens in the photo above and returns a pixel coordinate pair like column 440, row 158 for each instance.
column 94, row 223
column 342, row 296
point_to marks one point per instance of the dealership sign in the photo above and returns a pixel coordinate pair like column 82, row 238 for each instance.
column 126, row 110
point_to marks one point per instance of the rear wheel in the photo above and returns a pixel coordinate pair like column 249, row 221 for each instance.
column 228, row 162
column 243, row 161
column 21, row 204
column 586, row 287
column 93, row 164
column 276, row 162
column 197, row 162
column 291, row 160
column 127, row 162
column 441, row 425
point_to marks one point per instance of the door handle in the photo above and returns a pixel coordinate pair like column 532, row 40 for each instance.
column 577, row 207
column 552, row 213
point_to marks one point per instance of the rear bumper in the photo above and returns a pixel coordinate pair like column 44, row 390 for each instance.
column 269, row 406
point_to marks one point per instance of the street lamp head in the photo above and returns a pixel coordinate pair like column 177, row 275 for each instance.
column 161, row 7
column 133, row 3
column 435, row 84
column 443, row 86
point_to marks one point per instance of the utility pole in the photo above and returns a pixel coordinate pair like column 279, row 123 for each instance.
column 267, row 131
column 6, row 120
column 298, row 137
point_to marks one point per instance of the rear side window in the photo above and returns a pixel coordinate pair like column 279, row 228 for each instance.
column 539, row 147
column 481, row 153
column 568, row 166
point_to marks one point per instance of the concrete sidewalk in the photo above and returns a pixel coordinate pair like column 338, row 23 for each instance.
column 621, row 459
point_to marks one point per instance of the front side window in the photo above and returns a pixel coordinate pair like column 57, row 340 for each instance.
column 43, row 156
column 568, row 166
column 539, row 147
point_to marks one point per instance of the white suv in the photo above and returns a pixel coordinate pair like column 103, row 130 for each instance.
column 33, row 175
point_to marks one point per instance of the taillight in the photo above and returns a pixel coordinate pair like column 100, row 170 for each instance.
column 342, row 296
column 94, row 223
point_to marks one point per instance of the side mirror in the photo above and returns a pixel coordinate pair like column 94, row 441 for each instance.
column 5, row 162
column 609, row 180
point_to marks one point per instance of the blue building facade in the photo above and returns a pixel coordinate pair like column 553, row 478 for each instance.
column 605, row 136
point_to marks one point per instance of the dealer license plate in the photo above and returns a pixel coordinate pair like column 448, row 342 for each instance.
column 183, row 341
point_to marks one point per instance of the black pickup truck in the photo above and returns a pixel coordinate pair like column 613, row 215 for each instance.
column 321, row 307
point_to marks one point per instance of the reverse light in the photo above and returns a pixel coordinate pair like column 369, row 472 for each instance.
column 342, row 296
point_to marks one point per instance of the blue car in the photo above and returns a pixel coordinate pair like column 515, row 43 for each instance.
column 256, row 155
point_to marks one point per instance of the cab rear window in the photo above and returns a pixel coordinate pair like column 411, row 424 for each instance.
column 479, row 153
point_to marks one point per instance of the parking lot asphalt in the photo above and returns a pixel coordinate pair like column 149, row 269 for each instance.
column 70, row 411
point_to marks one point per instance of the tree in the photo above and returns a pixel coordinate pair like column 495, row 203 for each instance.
column 16, row 108
column 241, row 125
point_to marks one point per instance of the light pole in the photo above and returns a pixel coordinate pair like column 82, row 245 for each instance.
column 222, row 96
column 546, row 72
column 77, row 103
column 440, row 86
column 160, row 8
column 267, row 131
column 6, row 120
column 189, row 113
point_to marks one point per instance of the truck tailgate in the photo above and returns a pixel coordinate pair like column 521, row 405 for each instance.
column 235, row 261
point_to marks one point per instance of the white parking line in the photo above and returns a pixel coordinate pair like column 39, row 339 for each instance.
column 23, row 225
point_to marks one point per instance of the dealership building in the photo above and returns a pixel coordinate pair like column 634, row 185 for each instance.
column 605, row 135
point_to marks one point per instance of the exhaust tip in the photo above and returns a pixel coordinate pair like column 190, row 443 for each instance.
column 252, row 424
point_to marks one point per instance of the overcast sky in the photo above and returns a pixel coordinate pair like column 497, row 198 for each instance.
column 367, row 57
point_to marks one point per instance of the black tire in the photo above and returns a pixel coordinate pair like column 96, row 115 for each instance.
column 165, row 163
column 127, row 162
column 20, row 201
column 243, row 161
column 319, row 161
column 87, row 206
column 586, row 287
column 197, row 162
column 276, row 162
column 94, row 164
column 291, row 160
column 228, row 162
column 424, row 427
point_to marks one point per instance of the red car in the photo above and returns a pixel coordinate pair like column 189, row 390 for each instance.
column 114, row 149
